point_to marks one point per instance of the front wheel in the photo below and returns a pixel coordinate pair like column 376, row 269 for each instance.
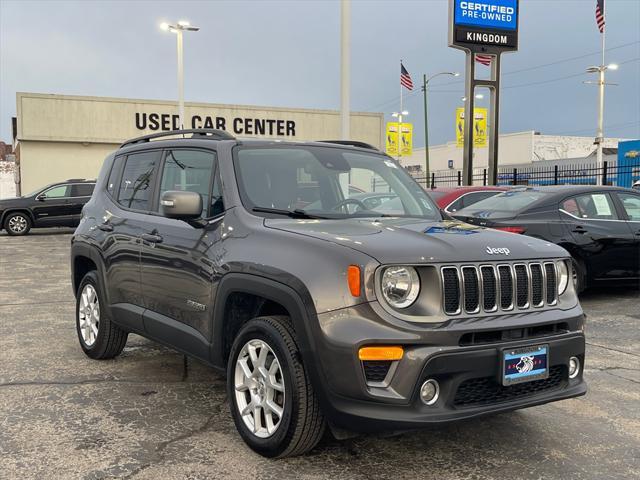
column 17, row 223
column 271, row 397
column 579, row 275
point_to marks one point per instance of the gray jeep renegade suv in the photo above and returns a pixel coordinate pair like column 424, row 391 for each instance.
column 252, row 257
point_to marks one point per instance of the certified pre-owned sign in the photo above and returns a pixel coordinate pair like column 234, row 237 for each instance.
column 481, row 24
column 487, row 14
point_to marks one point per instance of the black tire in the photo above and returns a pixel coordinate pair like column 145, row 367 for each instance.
column 302, row 424
column 110, row 339
column 18, row 223
column 579, row 273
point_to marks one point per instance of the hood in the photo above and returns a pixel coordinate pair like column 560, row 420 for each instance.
column 14, row 201
column 410, row 240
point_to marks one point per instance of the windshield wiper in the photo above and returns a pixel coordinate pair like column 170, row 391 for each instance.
column 297, row 213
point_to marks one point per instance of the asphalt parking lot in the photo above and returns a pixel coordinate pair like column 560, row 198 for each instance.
column 150, row 414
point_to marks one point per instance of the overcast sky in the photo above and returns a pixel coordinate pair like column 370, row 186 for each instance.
column 287, row 54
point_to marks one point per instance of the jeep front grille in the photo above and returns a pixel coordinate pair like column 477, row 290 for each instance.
column 468, row 289
column 451, row 290
column 552, row 289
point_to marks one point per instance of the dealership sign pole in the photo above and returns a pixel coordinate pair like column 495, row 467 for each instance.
column 487, row 27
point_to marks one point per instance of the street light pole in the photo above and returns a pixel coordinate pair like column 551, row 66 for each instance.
column 345, row 70
column 425, row 83
column 600, row 70
column 179, row 28
column 426, row 131
column 180, row 79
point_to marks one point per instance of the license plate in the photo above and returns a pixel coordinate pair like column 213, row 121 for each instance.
column 525, row 364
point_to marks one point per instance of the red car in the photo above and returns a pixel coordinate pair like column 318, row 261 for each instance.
column 452, row 199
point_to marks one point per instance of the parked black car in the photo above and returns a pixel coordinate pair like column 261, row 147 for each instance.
column 56, row 205
column 336, row 315
column 599, row 226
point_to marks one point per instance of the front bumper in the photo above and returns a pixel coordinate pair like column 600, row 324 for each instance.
column 468, row 376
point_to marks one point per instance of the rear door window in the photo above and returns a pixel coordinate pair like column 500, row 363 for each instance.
column 137, row 180
column 82, row 189
column 592, row 206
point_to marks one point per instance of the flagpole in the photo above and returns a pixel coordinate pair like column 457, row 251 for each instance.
column 601, row 82
column 400, row 118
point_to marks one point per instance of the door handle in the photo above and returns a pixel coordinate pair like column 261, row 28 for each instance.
column 579, row 229
column 151, row 238
column 106, row 227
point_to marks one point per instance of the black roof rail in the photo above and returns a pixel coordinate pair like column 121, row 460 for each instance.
column 196, row 132
column 352, row 143
column 78, row 180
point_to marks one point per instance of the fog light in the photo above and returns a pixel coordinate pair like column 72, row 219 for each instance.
column 574, row 367
column 429, row 392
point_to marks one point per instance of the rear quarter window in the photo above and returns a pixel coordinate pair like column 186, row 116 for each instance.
column 114, row 176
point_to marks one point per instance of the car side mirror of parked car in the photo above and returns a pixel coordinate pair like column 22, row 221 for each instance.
column 180, row 205
column 42, row 197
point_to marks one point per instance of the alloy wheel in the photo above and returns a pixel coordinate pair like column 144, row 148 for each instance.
column 89, row 315
column 259, row 388
column 18, row 224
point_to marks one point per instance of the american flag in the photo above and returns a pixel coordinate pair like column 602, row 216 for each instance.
column 484, row 59
column 405, row 78
column 600, row 15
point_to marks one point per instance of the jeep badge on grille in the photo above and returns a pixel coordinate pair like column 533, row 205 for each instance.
column 498, row 251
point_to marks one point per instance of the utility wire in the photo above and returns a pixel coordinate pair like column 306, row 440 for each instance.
column 505, row 87
column 556, row 62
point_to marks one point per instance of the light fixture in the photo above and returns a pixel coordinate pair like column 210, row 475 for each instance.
column 479, row 96
column 429, row 392
column 400, row 286
column 574, row 367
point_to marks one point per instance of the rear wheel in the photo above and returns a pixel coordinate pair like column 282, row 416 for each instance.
column 99, row 337
column 271, row 397
column 17, row 223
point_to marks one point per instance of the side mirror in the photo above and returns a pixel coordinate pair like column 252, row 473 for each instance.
column 42, row 197
column 181, row 205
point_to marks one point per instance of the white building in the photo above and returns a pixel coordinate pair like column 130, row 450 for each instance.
column 63, row 136
column 520, row 148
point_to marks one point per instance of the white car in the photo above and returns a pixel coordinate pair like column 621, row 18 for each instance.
column 636, row 185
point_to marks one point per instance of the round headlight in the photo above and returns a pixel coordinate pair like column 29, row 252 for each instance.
column 563, row 276
column 400, row 286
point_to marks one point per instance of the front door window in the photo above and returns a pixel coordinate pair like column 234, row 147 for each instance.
column 191, row 171
column 57, row 192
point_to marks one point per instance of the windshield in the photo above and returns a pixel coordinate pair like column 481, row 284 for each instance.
column 507, row 202
column 326, row 182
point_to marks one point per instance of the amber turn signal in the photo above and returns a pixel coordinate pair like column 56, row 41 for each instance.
column 353, row 278
column 381, row 353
